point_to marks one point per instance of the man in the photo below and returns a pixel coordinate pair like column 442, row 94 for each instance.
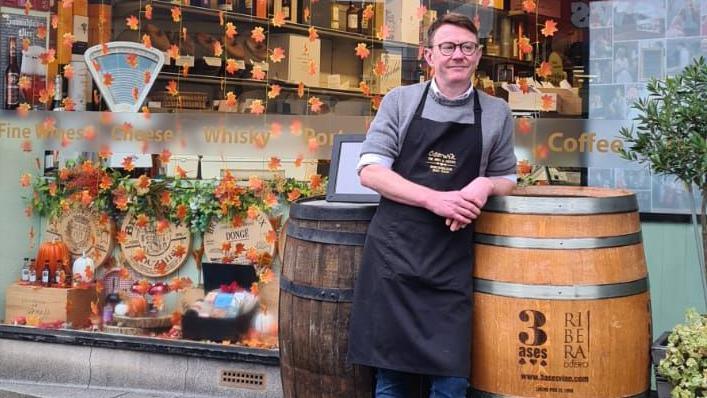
column 435, row 158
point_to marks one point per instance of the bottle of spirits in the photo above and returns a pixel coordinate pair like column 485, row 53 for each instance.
column 12, row 77
column 46, row 277
column 57, row 103
column 335, row 22
column 225, row 5
column 25, row 271
column 59, row 277
column 366, row 25
column 247, row 7
column 286, row 9
column 261, row 8
column 352, row 24
column 32, row 276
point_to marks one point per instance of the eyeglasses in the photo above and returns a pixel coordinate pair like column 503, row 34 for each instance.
column 467, row 48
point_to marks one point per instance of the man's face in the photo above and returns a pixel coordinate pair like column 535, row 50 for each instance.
column 457, row 67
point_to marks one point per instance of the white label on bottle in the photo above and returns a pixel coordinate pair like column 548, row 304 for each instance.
column 249, row 4
column 80, row 28
column 286, row 12
column 352, row 21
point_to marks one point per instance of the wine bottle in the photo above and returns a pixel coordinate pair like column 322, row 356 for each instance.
column 366, row 25
column 352, row 24
column 57, row 103
column 12, row 77
column 25, row 270
column 45, row 274
column 286, row 9
column 335, row 24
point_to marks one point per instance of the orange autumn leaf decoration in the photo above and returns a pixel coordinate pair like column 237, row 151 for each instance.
column 26, row 43
column 312, row 68
column 124, row 273
column 270, row 200
column 278, row 19
column 42, row 32
column 257, row 34
column 25, row 180
column 368, row 12
column 525, row 126
column 173, row 52
column 271, row 237
column 376, row 101
column 146, row 41
column 275, row 127
column 523, row 84
column 230, row 99
column 274, row 91
column 274, row 163
column 131, row 60
column 55, row 21
column 165, row 198
column 68, row 40
column 550, row 28
column 231, row 66
column 185, row 70
column 296, row 127
column 362, row 51
column 365, row 89
column 89, row 133
column 300, row 89
column 139, row 255
column 312, row 144
column 315, row 181
column 257, row 107
column 383, row 32
column 28, row 7
column 25, row 82
column 172, row 88
column 252, row 212
column 132, row 22
column 257, row 73
column 278, row 54
column 529, row 6
column 313, row 35
column 104, row 48
column 69, row 106
column 48, row 56
column 256, row 183
column 298, row 161
column 231, row 30
column 67, row 3
column 107, row 79
column 68, row 72
column 294, row 195
column 545, row 69
column 141, row 221
column 180, row 172
column 524, row 45
column 176, row 14
column 252, row 254
column 547, row 101
column 162, row 226
column 380, row 68
column 148, row 12
column 165, row 156
column 127, row 163
column 218, row 49
column 315, row 105
column 135, row 93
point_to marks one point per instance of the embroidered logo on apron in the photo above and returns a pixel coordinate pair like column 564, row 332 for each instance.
column 441, row 163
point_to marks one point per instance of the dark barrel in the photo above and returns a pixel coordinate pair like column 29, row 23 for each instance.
column 323, row 250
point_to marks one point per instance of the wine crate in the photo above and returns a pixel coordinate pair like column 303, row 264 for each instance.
column 72, row 305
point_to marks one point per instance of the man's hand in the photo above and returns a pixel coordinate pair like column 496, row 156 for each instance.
column 477, row 193
column 453, row 206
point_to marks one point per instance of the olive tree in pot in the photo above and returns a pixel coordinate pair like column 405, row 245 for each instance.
column 670, row 136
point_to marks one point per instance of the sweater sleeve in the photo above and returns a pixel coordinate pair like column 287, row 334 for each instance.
column 502, row 158
column 382, row 138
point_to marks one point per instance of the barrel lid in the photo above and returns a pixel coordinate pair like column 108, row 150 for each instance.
column 316, row 208
column 564, row 200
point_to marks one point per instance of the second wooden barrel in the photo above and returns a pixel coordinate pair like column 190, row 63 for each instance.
column 323, row 250
column 561, row 302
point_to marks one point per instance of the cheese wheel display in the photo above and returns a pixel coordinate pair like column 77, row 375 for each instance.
column 152, row 251
column 83, row 231
column 257, row 233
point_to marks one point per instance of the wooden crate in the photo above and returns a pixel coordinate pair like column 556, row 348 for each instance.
column 50, row 304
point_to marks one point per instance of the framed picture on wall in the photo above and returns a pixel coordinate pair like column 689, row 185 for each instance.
column 344, row 183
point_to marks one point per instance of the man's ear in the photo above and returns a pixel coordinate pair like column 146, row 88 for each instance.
column 427, row 53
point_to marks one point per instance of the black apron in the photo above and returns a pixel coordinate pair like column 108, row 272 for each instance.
column 412, row 299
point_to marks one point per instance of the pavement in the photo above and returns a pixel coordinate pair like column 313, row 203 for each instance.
column 10, row 389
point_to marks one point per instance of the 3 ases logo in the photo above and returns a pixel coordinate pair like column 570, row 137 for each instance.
column 532, row 338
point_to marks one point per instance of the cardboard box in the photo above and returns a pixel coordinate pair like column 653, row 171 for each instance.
column 299, row 52
column 50, row 304
column 392, row 76
column 401, row 19
column 530, row 101
column 349, row 72
column 568, row 102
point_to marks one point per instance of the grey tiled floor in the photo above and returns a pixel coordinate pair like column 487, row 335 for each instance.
column 22, row 390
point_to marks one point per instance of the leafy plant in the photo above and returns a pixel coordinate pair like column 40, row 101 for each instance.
column 685, row 364
column 671, row 137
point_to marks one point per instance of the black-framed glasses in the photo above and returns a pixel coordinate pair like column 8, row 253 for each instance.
column 467, row 48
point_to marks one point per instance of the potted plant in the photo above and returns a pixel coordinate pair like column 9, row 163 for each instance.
column 684, row 362
column 670, row 136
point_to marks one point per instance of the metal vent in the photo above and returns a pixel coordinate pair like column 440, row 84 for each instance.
column 242, row 379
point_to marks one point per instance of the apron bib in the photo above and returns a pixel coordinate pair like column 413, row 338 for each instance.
column 412, row 300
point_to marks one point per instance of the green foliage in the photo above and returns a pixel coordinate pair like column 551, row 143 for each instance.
column 685, row 364
column 671, row 131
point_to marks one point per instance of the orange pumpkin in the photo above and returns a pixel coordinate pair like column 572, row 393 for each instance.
column 137, row 306
column 56, row 253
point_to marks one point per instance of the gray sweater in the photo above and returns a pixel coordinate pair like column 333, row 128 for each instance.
column 386, row 135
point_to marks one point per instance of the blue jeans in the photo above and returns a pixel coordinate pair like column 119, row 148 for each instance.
column 393, row 384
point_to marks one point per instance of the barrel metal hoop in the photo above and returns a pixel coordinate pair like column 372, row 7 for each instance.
column 330, row 294
column 561, row 205
column 561, row 292
column 324, row 236
column 521, row 242
column 311, row 209
column 483, row 394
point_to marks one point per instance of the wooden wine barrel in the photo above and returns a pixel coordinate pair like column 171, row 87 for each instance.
column 323, row 249
column 561, row 302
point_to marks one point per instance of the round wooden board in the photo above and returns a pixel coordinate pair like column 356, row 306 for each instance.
column 82, row 232
column 163, row 252
column 253, row 233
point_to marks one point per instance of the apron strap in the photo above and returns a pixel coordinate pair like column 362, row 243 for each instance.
column 421, row 104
